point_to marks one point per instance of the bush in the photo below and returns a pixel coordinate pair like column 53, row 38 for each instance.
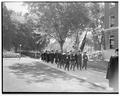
column 9, row 54
column 97, row 56
column 31, row 54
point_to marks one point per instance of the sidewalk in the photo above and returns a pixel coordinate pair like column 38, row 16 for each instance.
column 94, row 77
column 89, row 75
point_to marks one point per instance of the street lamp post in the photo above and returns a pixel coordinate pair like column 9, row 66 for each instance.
column 20, row 50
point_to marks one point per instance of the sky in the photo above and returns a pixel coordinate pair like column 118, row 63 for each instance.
column 17, row 7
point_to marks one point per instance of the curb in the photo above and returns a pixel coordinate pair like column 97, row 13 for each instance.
column 82, row 78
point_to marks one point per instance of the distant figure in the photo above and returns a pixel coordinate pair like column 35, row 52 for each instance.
column 75, row 61
column 67, row 65
column 72, row 60
column 79, row 60
column 59, row 64
column 52, row 56
column 112, row 71
column 56, row 57
column 85, row 60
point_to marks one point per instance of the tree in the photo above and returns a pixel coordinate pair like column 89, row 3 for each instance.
column 97, row 14
column 23, row 36
column 40, row 42
column 8, row 31
column 18, row 29
column 60, row 20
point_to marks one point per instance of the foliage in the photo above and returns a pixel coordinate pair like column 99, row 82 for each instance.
column 18, row 29
column 60, row 20
column 50, row 20
column 96, row 56
column 89, row 42
column 8, row 28
column 40, row 41
column 97, row 14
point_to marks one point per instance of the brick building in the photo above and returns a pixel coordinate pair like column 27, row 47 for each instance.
column 111, row 26
column 111, row 29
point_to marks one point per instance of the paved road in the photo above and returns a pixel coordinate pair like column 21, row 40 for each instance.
column 30, row 76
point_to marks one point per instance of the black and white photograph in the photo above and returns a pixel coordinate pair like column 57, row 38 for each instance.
column 60, row 47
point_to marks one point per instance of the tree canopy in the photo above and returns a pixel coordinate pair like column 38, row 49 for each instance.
column 18, row 29
column 43, row 21
column 97, row 24
column 60, row 20
column 8, row 28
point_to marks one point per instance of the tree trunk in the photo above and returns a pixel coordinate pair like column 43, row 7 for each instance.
column 61, row 45
column 95, row 43
column 16, row 49
column 99, row 46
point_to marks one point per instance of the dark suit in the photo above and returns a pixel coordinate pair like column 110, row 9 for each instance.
column 85, row 59
column 112, row 72
column 72, row 59
column 75, row 61
column 51, row 56
column 67, row 62
column 63, row 60
column 45, row 56
column 56, row 57
column 59, row 55
column 79, row 61
column 48, row 57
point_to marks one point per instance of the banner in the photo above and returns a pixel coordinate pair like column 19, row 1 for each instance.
column 83, row 43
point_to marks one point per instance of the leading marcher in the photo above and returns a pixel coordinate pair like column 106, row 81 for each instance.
column 85, row 60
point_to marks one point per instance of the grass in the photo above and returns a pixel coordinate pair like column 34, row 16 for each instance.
column 98, row 65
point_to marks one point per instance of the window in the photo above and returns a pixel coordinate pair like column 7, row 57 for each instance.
column 112, row 5
column 111, row 25
column 112, row 42
column 112, row 21
column 112, row 17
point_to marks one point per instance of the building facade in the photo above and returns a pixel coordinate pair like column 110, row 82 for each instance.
column 111, row 26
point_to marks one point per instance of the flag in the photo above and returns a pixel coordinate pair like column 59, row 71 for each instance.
column 83, row 43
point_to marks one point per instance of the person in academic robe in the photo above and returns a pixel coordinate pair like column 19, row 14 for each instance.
column 112, row 71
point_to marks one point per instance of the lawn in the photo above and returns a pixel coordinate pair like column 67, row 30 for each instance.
column 98, row 65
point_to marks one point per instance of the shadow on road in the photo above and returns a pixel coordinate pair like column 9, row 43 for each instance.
column 38, row 73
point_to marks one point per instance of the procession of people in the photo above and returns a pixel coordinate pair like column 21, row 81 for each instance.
column 78, row 60
column 69, row 60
